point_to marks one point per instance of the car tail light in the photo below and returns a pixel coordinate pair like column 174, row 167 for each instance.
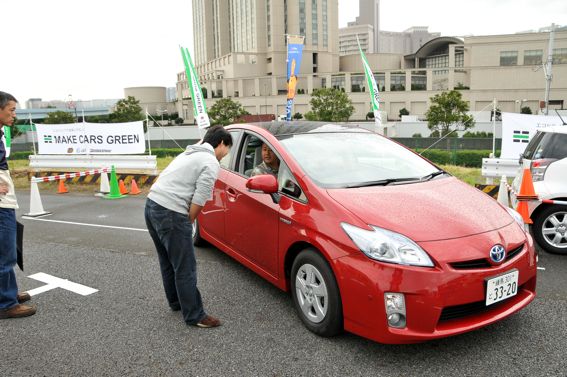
column 538, row 167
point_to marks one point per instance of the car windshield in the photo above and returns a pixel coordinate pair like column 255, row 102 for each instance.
column 339, row 160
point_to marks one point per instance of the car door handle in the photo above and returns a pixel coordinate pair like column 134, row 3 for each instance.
column 231, row 194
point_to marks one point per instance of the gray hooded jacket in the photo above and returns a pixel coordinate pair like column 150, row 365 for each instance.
column 189, row 178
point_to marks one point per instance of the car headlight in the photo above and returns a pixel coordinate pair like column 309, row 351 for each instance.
column 387, row 246
column 519, row 219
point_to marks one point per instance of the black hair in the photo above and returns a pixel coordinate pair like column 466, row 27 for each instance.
column 217, row 134
column 5, row 98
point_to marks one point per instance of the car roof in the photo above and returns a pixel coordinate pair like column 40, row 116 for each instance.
column 554, row 129
column 282, row 128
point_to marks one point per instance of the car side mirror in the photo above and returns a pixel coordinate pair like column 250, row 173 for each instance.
column 265, row 183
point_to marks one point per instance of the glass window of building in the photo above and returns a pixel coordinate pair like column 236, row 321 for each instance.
column 338, row 82
column 533, row 57
column 302, row 17
column 380, row 81
column 269, row 21
column 314, row 24
column 508, row 58
column 397, row 82
column 559, row 55
column 324, row 22
column 357, row 83
column 418, row 80
column 459, row 60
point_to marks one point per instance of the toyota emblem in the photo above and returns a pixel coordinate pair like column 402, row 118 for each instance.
column 497, row 253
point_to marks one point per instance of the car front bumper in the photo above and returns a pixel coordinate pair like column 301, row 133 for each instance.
column 440, row 301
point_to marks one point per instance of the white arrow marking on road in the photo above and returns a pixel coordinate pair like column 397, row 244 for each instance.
column 55, row 282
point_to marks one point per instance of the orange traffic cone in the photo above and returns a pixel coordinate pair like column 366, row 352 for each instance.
column 523, row 210
column 134, row 190
column 122, row 187
column 61, row 189
column 527, row 191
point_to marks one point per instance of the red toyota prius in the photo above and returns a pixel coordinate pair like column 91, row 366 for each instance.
column 367, row 236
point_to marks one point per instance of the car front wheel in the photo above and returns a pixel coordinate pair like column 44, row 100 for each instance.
column 550, row 229
column 315, row 294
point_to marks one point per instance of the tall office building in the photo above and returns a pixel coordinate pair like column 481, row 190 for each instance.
column 369, row 14
column 247, row 38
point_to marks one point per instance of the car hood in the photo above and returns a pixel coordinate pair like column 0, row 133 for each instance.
column 440, row 209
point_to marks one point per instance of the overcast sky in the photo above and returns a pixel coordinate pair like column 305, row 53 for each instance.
column 94, row 49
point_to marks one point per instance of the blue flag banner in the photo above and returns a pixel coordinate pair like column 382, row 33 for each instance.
column 294, row 54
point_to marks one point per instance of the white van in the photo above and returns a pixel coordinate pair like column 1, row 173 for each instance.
column 546, row 157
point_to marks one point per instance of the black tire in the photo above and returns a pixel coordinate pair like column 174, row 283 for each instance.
column 197, row 239
column 307, row 303
column 554, row 240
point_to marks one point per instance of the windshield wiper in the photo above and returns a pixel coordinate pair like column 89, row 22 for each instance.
column 381, row 182
column 429, row 177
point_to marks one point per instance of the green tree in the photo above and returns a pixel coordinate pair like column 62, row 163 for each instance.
column 226, row 111
column 330, row 105
column 127, row 110
column 447, row 110
column 297, row 116
column 59, row 117
column 403, row 111
column 525, row 110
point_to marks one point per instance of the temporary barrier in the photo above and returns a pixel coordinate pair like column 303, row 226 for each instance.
column 36, row 207
column 503, row 192
column 557, row 202
column 53, row 178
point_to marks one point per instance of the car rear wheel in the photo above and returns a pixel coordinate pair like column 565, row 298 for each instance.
column 196, row 233
column 315, row 294
column 550, row 229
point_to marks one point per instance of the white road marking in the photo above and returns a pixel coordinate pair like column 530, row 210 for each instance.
column 86, row 224
column 541, row 268
column 55, row 282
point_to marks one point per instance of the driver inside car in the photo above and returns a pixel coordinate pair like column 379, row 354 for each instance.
column 270, row 163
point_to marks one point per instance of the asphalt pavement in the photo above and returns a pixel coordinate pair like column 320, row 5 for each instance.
column 126, row 328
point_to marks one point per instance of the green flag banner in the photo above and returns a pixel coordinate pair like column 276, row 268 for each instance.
column 7, row 139
column 374, row 93
column 199, row 105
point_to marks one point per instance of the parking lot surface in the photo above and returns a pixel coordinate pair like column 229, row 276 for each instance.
column 126, row 327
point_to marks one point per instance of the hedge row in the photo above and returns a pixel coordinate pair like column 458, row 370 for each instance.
column 468, row 158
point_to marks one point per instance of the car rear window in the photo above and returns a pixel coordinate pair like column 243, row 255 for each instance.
column 547, row 145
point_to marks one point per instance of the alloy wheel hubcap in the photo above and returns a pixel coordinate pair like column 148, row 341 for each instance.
column 312, row 294
column 554, row 230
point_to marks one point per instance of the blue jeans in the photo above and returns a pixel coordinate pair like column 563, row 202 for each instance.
column 8, row 257
column 172, row 235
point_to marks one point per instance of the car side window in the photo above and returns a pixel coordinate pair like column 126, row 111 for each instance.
column 251, row 155
column 225, row 162
column 288, row 185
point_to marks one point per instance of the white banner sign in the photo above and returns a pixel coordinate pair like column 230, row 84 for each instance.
column 518, row 130
column 91, row 138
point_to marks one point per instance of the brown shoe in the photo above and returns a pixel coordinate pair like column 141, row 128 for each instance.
column 23, row 297
column 208, row 321
column 17, row 311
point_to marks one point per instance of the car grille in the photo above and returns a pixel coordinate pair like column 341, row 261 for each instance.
column 460, row 311
column 483, row 263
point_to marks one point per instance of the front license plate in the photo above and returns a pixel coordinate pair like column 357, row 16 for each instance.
column 501, row 287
